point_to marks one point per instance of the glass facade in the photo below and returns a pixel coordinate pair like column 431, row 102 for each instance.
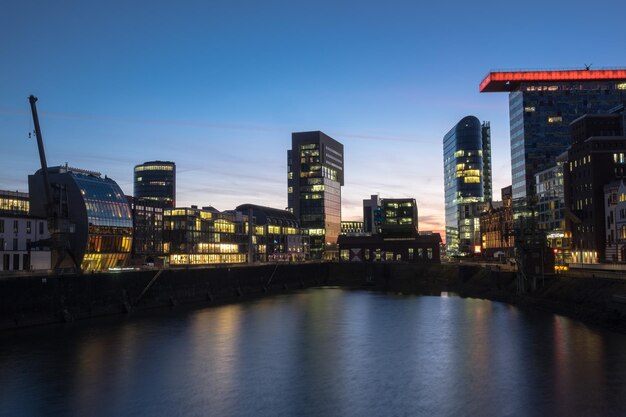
column 98, row 216
column 540, row 115
column 195, row 236
column 110, row 223
column 466, row 181
column 156, row 180
column 315, row 177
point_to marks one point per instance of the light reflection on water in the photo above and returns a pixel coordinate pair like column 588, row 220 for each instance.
column 321, row 352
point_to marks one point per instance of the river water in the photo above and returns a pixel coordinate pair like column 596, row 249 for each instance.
column 320, row 352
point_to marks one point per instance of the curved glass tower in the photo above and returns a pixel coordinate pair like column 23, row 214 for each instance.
column 467, row 179
column 97, row 209
column 156, row 181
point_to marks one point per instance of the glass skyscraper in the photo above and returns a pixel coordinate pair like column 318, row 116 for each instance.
column 542, row 104
column 314, row 180
column 467, row 178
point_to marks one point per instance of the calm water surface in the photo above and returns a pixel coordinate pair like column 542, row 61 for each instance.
column 321, row 352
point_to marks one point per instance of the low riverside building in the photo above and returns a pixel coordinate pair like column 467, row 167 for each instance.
column 194, row 236
column 18, row 231
column 277, row 236
column 100, row 235
column 394, row 235
column 387, row 248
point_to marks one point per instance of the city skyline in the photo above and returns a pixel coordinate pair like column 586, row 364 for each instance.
column 219, row 89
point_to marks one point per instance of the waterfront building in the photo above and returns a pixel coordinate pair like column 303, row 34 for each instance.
column 315, row 176
column 466, row 182
column 147, row 230
column 277, row 236
column 194, row 236
column 18, row 231
column 596, row 157
column 101, row 220
column 381, row 248
column 496, row 226
column 542, row 104
column 615, row 230
column 156, row 180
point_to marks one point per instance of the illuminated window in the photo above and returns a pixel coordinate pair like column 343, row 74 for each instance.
column 529, row 109
column 555, row 119
column 621, row 86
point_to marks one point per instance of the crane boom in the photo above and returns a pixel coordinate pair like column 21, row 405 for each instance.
column 42, row 157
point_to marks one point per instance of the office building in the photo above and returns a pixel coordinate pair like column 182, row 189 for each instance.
column 277, row 234
column 542, row 104
column 156, row 180
column 194, row 236
column 398, row 215
column 466, row 182
column 315, row 176
column 100, row 235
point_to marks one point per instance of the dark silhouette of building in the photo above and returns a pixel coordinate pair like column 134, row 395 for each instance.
column 147, row 230
column 542, row 104
column 596, row 157
column 97, row 209
column 156, row 180
column 315, row 177
column 467, row 181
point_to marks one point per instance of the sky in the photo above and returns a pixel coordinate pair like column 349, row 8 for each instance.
column 218, row 87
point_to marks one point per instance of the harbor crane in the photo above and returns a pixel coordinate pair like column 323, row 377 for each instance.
column 59, row 225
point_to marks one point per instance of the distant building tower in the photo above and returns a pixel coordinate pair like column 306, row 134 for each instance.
column 466, row 183
column 156, row 180
column 542, row 104
column 315, row 177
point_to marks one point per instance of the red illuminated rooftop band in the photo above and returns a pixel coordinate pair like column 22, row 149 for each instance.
column 510, row 80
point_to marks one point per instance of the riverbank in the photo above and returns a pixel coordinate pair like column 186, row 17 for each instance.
column 36, row 300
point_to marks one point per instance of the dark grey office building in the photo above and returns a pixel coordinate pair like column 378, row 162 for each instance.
column 315, row 177
column 542, row 104
column 156, row 180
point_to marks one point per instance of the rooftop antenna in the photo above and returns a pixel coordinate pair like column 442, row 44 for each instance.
column 588, row 67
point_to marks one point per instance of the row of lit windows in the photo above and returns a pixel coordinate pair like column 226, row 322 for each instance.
column 154, row 168
column 14, row 205
column 205, row 259
column 217, row 248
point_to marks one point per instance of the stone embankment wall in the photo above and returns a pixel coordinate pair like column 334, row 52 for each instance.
column 26, row 301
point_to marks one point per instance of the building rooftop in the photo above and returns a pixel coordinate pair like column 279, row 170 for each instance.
column 499, row 81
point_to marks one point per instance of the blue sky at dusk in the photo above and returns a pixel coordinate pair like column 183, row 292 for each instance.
column 218, row 87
